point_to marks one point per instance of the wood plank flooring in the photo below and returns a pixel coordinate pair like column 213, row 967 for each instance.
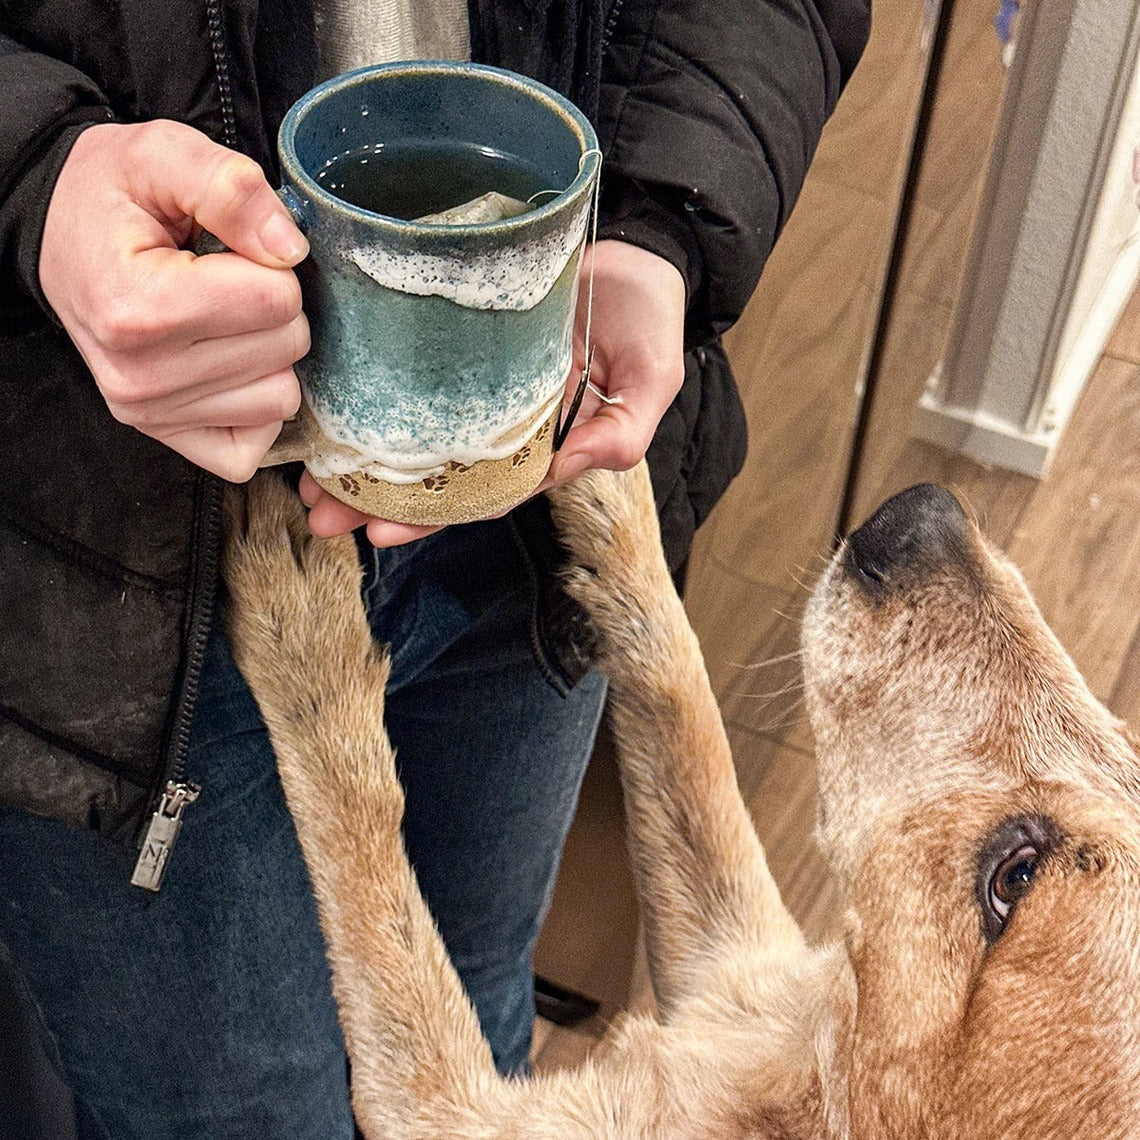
column 947, row 195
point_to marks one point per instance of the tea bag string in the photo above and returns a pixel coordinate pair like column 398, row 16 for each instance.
column 584, row 381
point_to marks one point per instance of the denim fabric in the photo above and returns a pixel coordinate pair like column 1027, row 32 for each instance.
column 205, row 1011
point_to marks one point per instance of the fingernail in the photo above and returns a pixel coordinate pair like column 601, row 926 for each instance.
column 573, row 465
column 282, row 239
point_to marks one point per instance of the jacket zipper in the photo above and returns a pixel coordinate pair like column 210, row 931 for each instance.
column 611, row 22
column 174, row 793
column 217, row 30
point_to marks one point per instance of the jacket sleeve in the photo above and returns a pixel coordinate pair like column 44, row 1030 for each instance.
column 709, row 115
column 46, row 105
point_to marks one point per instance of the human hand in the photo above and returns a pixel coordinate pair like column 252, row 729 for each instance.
column 328, row 517
column 196, row 352
column 637, row 331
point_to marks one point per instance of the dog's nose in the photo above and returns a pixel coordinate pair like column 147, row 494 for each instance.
column 922, row 527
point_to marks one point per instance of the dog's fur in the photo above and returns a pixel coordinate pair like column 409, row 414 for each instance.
column 943, row 709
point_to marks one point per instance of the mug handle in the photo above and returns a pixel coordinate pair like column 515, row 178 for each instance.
column 295, row 441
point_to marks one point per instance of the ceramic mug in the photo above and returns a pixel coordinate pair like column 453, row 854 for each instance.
column 440, row 351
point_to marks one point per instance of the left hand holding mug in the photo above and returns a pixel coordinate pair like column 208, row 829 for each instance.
column 638, row 334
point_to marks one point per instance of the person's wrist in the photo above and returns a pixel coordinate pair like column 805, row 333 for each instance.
column 37, row 191
column 629, row 214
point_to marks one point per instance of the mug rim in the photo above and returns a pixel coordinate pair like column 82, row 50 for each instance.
column 588, row 161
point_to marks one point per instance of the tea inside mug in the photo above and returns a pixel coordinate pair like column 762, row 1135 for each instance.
column 410, row 178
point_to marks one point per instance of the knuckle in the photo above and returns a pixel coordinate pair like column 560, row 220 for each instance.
column 152, row 415
column 130, row 403
column 628, row 453
column 143, row 417
column 303, row 336
column 140, row 415
column 125, row 325
column 248, row 449
column 240, row 469
column 155, row 137
column 278, row 296
column 293, row 293
column 138, row 139
column 122, row 412
column 236, row 179
column 293, row 401
column 287, row 296
column 123, row 394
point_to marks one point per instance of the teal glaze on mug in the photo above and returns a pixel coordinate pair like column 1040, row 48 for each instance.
column 435, row 343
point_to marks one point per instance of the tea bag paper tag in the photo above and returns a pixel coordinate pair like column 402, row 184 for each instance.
column 511, row 278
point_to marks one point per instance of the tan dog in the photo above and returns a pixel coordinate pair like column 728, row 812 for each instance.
column 977, row 802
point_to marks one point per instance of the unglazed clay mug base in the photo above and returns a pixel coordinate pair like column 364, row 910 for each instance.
column 439, row 352
column 459, row 493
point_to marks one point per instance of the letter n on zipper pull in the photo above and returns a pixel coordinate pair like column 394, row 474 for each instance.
column 161, row 833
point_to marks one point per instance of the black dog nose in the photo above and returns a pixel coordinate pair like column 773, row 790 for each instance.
column 922, row 527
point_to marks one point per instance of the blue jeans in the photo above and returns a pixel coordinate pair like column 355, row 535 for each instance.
column 205, row 1011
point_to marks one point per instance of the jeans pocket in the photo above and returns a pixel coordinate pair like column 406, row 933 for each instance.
column 562, row 637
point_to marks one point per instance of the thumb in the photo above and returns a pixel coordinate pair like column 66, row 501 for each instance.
column 225, row 192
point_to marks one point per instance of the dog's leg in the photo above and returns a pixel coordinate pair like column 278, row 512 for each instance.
column 300, row 638
column 703, row 883
column 421, row 1068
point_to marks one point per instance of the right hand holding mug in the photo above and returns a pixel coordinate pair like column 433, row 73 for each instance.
column 196, row 352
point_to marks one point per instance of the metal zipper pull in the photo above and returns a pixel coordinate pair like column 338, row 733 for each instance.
column 161, row 833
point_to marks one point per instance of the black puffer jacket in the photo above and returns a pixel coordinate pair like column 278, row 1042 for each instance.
column 708, row 115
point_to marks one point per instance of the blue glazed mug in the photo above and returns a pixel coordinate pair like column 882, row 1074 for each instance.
column 440, row 347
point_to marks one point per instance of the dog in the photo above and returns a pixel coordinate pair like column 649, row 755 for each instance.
column 979, row 807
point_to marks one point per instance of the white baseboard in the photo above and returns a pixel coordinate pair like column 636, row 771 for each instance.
column 982, row 437
column 988, row 439
column 1073, row 373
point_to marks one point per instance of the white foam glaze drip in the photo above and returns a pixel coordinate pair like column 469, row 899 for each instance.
column 359, row 449
column 515, row 278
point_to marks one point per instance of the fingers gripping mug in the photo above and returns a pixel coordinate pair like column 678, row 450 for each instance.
column 441, row 343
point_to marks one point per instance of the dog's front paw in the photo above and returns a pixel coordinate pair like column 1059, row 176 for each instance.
column 295, row 614
column 607, row 521
column 606, row 518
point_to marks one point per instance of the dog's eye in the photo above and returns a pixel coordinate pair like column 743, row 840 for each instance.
column 1011, row 880
column 1008, row 861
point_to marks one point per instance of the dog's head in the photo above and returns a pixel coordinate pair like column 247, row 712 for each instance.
column 982, row 810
